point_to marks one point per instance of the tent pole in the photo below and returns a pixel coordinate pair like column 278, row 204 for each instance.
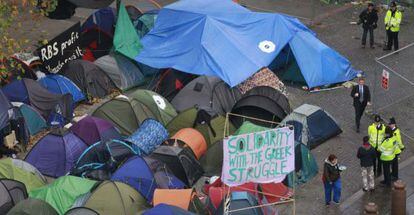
column 118, row 2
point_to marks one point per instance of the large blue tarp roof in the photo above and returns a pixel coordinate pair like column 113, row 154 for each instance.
column 221, row 38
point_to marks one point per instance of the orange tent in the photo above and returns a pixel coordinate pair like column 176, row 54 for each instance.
column 194, row 139
column 180, row 197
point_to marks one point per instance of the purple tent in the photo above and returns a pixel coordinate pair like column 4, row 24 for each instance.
column 54, row 155
column 91, row 130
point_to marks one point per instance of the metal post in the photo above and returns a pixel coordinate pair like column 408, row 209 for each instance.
column 371, row 208
column 398, row 199
column 374, row 98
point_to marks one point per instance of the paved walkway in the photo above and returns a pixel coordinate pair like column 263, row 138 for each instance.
column 382, row 195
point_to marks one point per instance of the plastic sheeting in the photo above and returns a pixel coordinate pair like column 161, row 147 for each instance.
column 190, row 36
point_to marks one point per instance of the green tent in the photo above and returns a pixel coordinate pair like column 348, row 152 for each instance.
column 248, row 127
column 158, row 105
column 32, row 206
column 123, row 114
column 212, row 160
column 21, row 171
column 305, row 166
column 63, row 192
column 111, row 198
column 32, row 118
column 126, row 40
column 187, row 119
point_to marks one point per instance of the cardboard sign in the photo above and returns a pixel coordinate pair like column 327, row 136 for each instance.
column 260, row 157
column 62, row 49
column 385, row 79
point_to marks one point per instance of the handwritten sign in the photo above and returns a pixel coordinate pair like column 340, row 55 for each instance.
column 261, row 157
column 62, row 49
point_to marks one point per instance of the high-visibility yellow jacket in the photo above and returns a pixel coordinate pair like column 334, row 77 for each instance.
column 399, row 145
column 393, row 22
column 376, row 136
column 387, row 149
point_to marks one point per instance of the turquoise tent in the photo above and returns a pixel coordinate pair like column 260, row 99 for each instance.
column 32, row 118
column 126, row 40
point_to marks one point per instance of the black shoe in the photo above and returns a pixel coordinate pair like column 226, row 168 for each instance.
column 372, row 47
column 386, row 49
column 372, row 190
column 364, row 190
column 357, row 130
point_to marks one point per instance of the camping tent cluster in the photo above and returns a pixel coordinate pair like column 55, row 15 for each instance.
column 148, row 150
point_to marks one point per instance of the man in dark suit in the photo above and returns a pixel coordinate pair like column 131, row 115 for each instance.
column 362, row 98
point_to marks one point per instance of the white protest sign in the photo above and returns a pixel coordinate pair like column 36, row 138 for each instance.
column 260, row 157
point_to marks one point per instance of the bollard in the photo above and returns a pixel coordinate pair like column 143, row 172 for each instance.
column 398, row 198
column 371, row 208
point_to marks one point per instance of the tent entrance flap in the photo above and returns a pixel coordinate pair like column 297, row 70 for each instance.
column 286, row 67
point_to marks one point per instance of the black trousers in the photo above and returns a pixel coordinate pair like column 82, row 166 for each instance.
column 359, row 111
column 392, row 40
column 367, row 30
column 387, row 172
column 394, row 167
column 378, row 164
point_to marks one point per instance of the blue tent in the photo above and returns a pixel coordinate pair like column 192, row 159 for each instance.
column 103, row 19
column 166, row 210
column 59, row 84
column 4, row 110
column 16, row 92
column 32, row 118
column 136, row 173
column 223, row 39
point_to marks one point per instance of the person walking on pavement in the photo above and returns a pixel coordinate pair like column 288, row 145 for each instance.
column 362, row 98
column 376, row 132
column 387, row 149
column 367, row 155
column 399, row 147
column 332, row 180
column 368, row 18
column 392, row 22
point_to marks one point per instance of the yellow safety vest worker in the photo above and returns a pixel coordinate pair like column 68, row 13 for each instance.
column 376, row 136
column 393, row 22
column 399, row 145
column 387, row 149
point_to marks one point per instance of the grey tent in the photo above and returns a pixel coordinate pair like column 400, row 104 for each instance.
column 5, row 106
column 312, row 125
column 92, row 80
column 11, row 192
column 92, row 4
column 32, row 206
column 208, row 93
column 264, row 103
column 124, row 73
column 32, row 93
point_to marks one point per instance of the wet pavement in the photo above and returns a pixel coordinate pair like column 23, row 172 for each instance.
column 382, row 195
column 334, row 30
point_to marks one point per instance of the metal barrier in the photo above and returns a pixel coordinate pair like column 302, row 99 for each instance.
column 399, row 65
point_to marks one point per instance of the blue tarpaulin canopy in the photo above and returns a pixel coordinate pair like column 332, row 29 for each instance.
column 221, row 38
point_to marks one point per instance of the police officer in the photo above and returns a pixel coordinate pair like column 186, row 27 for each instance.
column 399, row 146
column 392, row 22
column 387, row 150
column 376, row 132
